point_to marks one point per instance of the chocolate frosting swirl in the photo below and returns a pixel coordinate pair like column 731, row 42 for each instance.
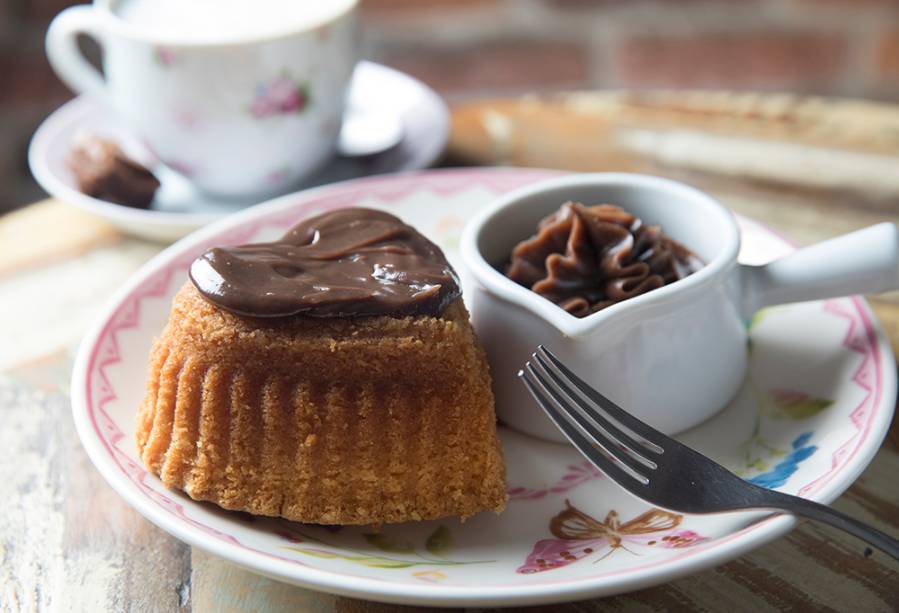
column 346, row 263
column 587, row 258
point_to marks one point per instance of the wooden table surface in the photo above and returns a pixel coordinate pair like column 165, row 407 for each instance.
column 809, row 168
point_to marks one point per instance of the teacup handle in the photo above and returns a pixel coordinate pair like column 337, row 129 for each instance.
column 861, row 262
column 65, row 56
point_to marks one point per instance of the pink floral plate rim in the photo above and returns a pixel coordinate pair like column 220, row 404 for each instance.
column 100, row 436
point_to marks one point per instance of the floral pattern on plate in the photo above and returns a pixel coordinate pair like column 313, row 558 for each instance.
column 577, row 474
column 771, row 464
column 777, row 475
column 579, row 536
column 395, row 553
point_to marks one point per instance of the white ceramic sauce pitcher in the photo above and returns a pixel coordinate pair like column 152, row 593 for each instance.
column 673, row 356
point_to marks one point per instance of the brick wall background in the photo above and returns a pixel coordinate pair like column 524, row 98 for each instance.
column 466, row 48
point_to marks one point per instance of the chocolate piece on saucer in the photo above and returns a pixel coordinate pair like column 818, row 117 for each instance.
column 103, row 171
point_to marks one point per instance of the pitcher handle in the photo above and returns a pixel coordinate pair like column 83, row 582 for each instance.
column 861, row 262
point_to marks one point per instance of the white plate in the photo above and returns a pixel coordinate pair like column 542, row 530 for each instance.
column 809, row 419
column 179, row 209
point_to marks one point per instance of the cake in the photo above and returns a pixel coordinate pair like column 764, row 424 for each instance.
column 286, row 384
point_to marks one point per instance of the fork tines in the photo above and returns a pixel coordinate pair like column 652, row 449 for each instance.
column 610, row 437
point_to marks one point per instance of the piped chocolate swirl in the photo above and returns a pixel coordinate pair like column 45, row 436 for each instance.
column 346, row 263
column 588, row 258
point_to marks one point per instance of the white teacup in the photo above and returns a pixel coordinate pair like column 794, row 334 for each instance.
column 238, row 107
column 673, row 356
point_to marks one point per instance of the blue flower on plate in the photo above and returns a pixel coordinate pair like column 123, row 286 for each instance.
column 778, row 475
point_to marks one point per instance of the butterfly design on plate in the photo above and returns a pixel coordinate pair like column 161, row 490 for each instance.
column 580, row 536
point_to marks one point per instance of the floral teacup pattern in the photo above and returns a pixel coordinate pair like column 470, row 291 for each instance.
column 280, row 96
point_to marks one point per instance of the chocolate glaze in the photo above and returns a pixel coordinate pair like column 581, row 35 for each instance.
column 587, row 258
column 346, row 263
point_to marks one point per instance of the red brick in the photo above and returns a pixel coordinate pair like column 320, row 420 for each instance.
column 888, row 55
column 16, row 130
column 576, row 4
column 508, row 66
column 28, row 79
column 428, row 13
column 602, row 4
column 418, row 6
column 9, row 155
column 853, row 4
column 44, row 10
column 9, row 17
column 788, row 60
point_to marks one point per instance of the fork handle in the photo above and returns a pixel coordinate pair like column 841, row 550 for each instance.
column 827, row 515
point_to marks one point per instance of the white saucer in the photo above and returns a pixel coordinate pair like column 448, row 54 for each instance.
column 179, row 209
column 812, row 413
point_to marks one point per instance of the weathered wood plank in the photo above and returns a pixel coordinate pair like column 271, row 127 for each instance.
column 69, row 543
column 49, row 231
column 217, row 585
column 49, row 308
column 805, row 143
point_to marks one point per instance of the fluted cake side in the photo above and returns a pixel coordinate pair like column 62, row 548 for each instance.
column 323, row 420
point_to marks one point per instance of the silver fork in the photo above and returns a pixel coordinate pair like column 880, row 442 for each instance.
column 657, row 468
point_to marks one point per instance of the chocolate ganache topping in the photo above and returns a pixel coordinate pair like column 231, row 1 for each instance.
column 346, row 263
column 587, row 258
